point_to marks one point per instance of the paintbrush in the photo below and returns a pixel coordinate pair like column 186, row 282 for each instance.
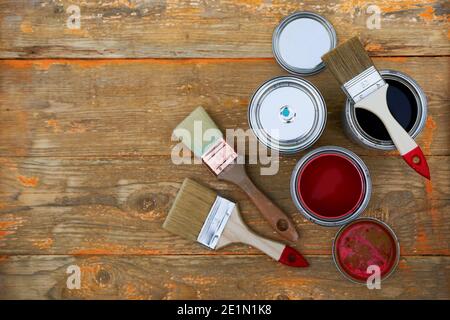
column 361, row 82
column 199, row 133
column 199, row 214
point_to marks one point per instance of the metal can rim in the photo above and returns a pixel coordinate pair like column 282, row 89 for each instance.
column 316, row 131
column 336, row 222
column 364, row 139
column 283, row 23
column 390, row 230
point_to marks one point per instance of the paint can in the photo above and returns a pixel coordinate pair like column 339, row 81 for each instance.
column 406, row 101
column 300, row 41
column 364, row 245
column 331, row 186
column 287, row 114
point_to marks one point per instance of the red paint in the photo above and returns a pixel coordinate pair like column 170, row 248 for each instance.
column 293, row 258
column 421, row 166
column 362, row 243
column 331, row 186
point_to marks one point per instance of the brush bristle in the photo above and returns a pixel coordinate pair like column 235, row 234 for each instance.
column 198, row 132
column 189, row 210
column 347, row 60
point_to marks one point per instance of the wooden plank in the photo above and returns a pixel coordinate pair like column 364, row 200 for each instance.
column 200, row 277
column 117, row 206
column 122, row 107
column 226, row 28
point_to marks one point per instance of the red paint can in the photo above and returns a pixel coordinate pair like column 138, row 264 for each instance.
column 331, row 186
column 363, row 243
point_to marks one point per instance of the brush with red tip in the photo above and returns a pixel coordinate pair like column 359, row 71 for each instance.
column 199, row 214
column 361, row 82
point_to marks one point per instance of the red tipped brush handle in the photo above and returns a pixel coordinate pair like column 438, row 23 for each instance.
column 292, row 258
column 377, row 104
column 237, row 231
column 416, row 160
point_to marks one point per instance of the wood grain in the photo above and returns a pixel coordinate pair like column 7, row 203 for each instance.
column 117, row 206
column 180, row 277
column 86, row 175
column 226, row 28
column 122, row 107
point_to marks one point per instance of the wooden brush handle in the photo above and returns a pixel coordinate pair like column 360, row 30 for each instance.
column 277, row 219
column 236, row 231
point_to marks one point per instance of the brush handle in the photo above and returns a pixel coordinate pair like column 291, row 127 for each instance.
column 277, row 219
column 412, row 154
column 236, row 231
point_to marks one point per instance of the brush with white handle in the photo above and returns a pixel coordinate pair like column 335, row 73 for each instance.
column 199, row 214
column 360, row 80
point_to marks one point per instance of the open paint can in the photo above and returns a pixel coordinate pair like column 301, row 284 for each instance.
column 287, row 114
column 331, row 186
column 407, row 103
column 366, row 246
column 300, row 41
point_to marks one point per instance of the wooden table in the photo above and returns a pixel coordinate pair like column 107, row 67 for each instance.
column 85, row 140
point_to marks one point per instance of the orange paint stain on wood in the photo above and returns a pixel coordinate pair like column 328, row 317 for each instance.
column 394, row 59
column 43, row 244
column 390, row 6
column 374, row 47
column 430, row 127
column 429, row 14
column 8, row 163
column 53, row 123
column 130, row 291
column 76, row 127
column 26, row 27
column 76, row 32
column 39, row 64
column 422, row 241
column 46, row 64
column 8, row 227
column 3, row 258
column 113, row 249
column 28, row 181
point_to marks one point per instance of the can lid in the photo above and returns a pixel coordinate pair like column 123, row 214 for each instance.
column 300, row 41
column 287, row 114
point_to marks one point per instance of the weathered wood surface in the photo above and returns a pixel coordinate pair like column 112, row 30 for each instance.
column 117, row 206
column 192, row 277
column 86, row 176
column 123, row 107
column 226, row 28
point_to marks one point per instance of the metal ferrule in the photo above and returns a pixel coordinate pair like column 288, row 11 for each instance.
column 219, row 156
column 357, row 133
column 215, row 222
column 363, row 84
